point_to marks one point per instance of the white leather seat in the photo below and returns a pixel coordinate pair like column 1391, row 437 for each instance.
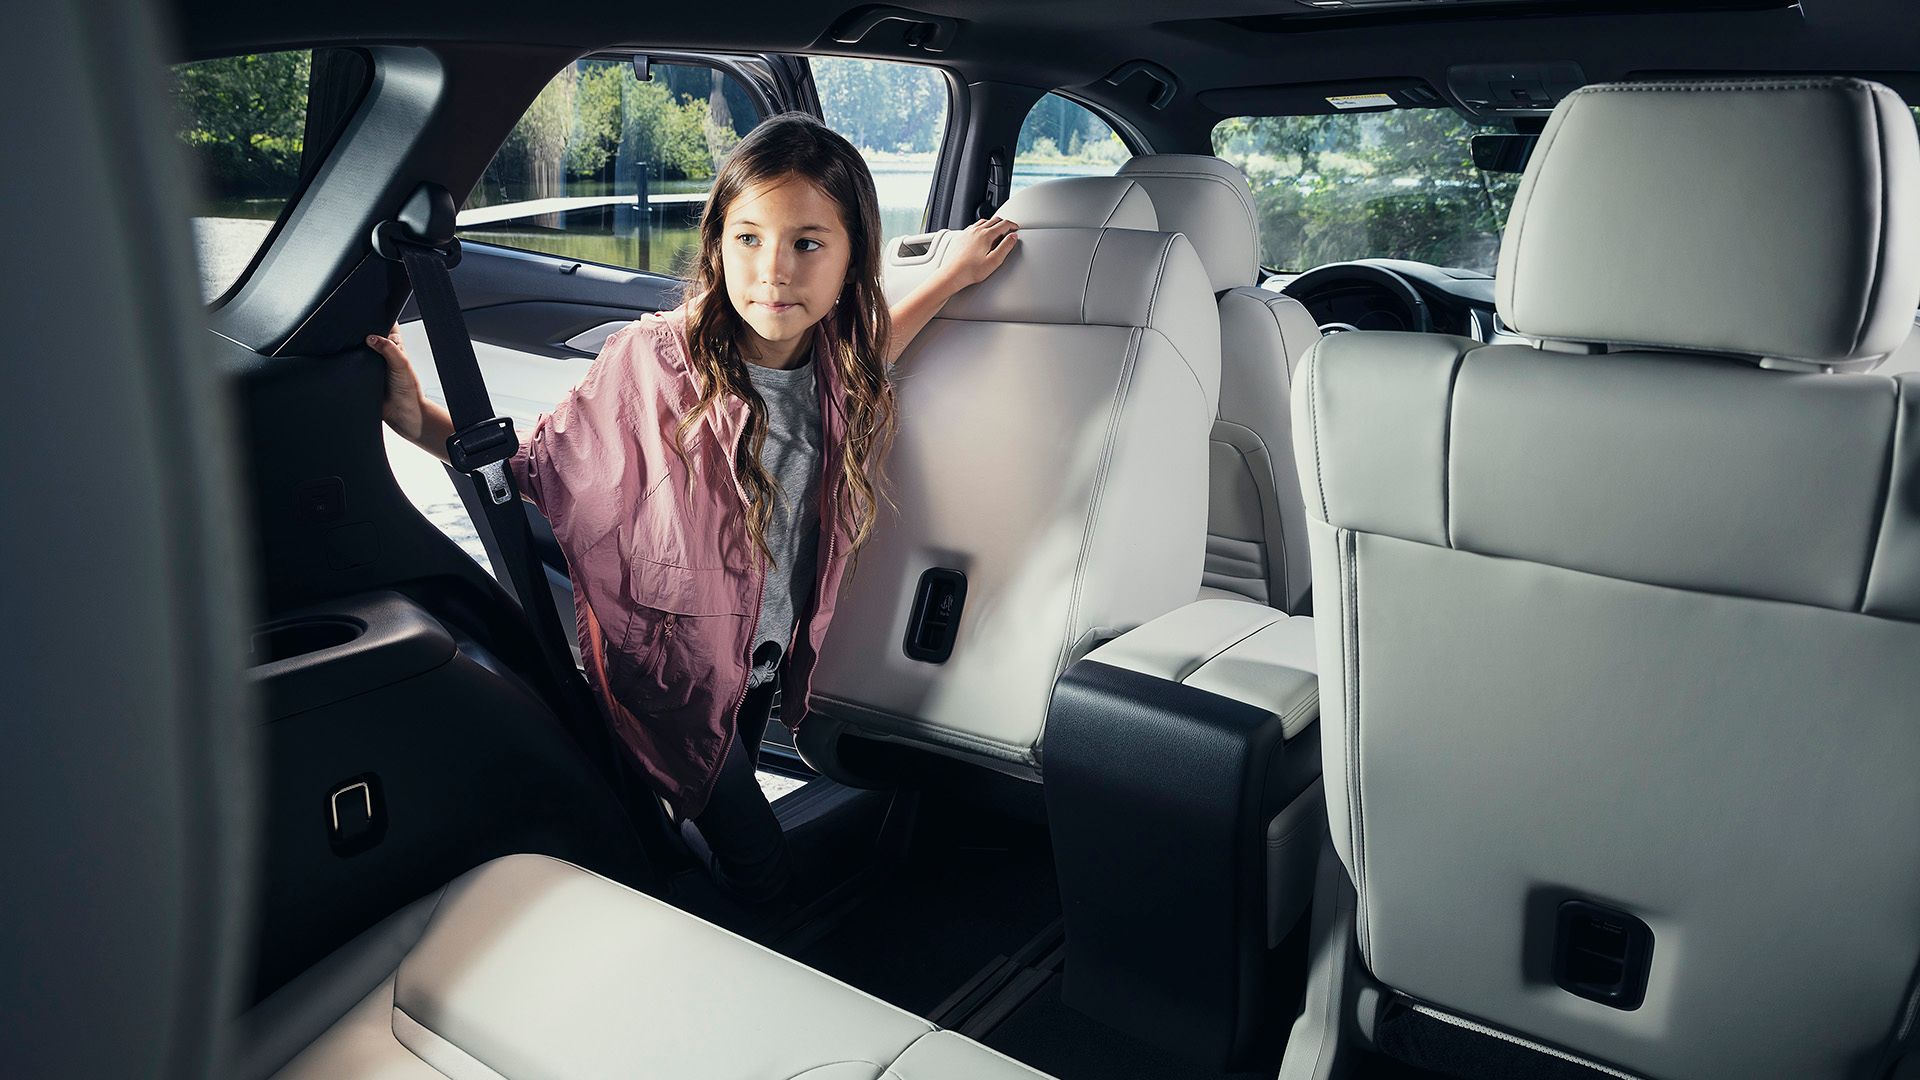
column 1256, row 522
column 1631, row 618
column 1052, row 447
column 531, row 967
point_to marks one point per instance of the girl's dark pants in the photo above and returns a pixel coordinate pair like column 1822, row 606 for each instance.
column 749, row 850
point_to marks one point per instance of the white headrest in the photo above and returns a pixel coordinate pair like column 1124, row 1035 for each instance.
column 1771, row 219
column 1209, row 200
column 1083, row 202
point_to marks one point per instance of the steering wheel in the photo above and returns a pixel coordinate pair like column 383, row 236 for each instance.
column 1395, row 299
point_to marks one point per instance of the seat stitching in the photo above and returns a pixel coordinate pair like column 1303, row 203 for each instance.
column 1086, row 287
column 1286, row 363
column 1114, row 410
column 432, row 914
column 874, row 720
column 1695, row 590
column 884, row 1070
column 1886, row 500
column 1446, row 450
column 1286, row 349
column 1311, row 702
column 1228, row 647
column 1524, row 197
column 477, row 1059
column 1355, row 810
column 1118, row 201
column 1153, row 294
column 1540, row 1048
column 1239, row 196
column 1184, row 362
column 1877, row 276
column 1313, row 423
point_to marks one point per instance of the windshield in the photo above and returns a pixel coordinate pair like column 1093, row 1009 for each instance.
column 1381, row 185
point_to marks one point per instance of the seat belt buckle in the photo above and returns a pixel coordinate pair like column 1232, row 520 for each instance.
column 483, row 449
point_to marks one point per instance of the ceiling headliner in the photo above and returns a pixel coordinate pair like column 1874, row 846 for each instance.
column 1073, row 43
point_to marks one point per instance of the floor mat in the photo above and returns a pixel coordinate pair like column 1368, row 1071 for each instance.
column 923, row 929
column 1044, row 1033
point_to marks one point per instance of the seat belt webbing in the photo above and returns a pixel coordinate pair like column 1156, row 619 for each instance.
column 482, row 443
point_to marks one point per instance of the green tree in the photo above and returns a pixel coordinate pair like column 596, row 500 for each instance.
column 244, row 119
column 535, row 151
column 1396, row 184
column 880, row 106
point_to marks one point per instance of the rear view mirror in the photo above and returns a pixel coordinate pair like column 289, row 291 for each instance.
column 1503, row 153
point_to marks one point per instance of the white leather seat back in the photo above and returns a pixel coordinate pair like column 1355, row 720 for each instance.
column 1052, row 447
column 1637, row 625
column 1256, row 525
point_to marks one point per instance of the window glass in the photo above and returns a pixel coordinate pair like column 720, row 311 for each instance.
column 896, row 114
column 1064, row 138
column 608, row 169
column 244, row 122
column 1388, row 185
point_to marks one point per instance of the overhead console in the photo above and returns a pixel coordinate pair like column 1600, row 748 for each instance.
column 1495, row 92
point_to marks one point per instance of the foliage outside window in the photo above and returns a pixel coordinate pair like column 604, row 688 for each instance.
column 1061, row 137
column 243, row 121
column 571, row 176
column 896, row 115
column 1399, row 184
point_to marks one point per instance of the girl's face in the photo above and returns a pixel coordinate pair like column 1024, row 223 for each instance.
column 785, row 255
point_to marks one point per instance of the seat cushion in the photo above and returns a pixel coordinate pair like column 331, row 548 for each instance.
column 529, row 967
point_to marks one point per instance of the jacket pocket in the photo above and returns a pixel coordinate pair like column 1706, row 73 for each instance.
column 683, row 629
column 682, row 590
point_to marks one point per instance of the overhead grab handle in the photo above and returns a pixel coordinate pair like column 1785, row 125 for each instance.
column 926, row 33
column 1165, row 85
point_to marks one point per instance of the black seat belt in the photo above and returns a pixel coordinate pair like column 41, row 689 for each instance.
column 421, row 239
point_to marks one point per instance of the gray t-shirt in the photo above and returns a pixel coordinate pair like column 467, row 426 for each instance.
column 791, row 457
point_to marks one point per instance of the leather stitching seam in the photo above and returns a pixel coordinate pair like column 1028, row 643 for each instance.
column 1114, row 409
column 1313, row 423
column 1886, row 501
column 1086, row 287
column 1355, row 811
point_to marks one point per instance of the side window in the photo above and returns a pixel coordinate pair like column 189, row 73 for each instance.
column 1064, row 138
column 605, row 168
column 246, row 128
column 896, row 114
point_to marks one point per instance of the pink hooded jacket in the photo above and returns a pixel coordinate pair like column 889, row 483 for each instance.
column 666, row 583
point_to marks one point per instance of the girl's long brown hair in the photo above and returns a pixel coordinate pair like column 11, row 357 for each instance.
column 794, row 146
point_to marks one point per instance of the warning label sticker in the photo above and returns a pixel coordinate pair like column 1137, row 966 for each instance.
column 1362, row 101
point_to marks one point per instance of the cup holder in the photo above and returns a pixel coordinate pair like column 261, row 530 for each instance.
column 288, row 640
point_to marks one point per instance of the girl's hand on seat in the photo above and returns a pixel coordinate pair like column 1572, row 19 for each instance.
column 980, row 250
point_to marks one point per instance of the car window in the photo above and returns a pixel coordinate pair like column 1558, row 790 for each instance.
column 896, row 114
column 606, row 168
column 244, row 123
column 1399, row 184
column 1061, row 137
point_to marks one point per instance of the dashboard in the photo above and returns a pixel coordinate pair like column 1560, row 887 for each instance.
column 1395, row 294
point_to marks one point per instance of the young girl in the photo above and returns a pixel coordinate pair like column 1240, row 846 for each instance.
column 714, row 472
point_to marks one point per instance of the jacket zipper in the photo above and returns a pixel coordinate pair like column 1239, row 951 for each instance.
column 759, row 598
